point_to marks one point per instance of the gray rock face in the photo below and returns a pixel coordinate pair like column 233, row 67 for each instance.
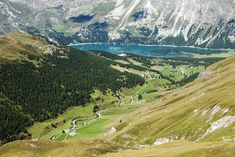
column 10, row 16
column 204, row 23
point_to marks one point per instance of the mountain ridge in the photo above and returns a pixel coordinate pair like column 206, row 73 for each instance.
column 188, row 23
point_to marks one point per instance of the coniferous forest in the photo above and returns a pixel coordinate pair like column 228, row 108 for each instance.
column 35, row 92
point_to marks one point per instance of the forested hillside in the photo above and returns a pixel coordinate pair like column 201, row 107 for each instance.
column 37, row 87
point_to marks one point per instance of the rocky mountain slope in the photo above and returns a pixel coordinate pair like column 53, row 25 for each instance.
column 179, row 22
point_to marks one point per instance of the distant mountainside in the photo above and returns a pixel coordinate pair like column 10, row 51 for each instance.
column 204, row 23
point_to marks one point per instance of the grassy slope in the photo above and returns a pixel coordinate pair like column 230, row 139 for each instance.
column 119, row 68
column 186, row 114
column 18, row 46
column 181, row 149
column 38, row 130
column 216, row 55
column 79, row 148
column 104, row 100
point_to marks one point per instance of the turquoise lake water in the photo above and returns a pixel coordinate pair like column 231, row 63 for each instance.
column 147, row 50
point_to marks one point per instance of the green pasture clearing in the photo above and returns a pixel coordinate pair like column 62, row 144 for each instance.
column 39, row 130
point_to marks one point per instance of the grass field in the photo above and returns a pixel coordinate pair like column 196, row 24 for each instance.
column 216, row 55
column 189, row 113
column 40, row 131
column 180, row 72
column 93, row 128
column 25, row 45
column 104, row 100
column 181, row 149
column 133, row 71
column 91, row 148
column 77, row 148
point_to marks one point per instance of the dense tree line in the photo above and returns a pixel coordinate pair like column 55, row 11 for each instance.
column 31, row 93
column 12, row 120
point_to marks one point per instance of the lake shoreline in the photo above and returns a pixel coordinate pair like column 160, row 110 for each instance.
column 159, row 51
